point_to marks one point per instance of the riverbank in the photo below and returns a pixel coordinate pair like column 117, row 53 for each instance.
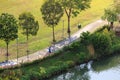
column 106, row 68
column 61, row 61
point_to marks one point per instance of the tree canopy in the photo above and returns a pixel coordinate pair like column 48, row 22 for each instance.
column 74, row 7
column 8, row 29
column 117, row 6
column 28, row 24
column 110, row 15
column 51, row 14
column 101, row 42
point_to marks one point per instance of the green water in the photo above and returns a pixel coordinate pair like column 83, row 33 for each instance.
column 104, row 69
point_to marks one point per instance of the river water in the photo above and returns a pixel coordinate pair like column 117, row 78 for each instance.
column 104, row 69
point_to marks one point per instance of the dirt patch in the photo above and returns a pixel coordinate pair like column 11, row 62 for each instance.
column 91, row 49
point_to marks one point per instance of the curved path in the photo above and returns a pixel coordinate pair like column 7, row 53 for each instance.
column 42, row 53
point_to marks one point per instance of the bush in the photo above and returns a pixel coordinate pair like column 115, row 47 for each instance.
column 85, row 38
column 10, row 75
column 101, row 43
column 74, row 46
column 104, row 27
column 65, row 48
column 115, row 48
column 82, row 56
column 34, row 75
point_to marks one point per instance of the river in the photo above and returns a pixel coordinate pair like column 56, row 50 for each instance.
column 104, row 69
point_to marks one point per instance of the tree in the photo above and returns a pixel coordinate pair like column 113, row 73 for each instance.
column 51, row 14
column 117, row 6
column 111, row 16
column 8, row 29
column 101, row 43
column 29, row 25
column 74, row 7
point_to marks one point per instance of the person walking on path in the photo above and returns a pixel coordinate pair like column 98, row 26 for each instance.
column 49, row 49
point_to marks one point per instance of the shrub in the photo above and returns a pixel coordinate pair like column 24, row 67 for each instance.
column 115, row 48
column 34, row 75
column 104, row 27
column 25, row 77
column 101, row 42
column 65, row 48
column 42, row 70
column 82, row 56
column 85, row 38
column 115, row 39
column 74, row 46
column 10, row 75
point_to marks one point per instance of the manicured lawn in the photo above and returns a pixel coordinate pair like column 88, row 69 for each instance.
column 44, row 37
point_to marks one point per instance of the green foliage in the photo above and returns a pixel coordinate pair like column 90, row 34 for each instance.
column 62, row 61
column 11, row 75
column 82, row 56
column 114, row 38
column 8, row 27
column 42, row 39
column 110, row 15
column 103, row 28
column 28, row 24
column 101, row 42
column 42, row 70
column 74, row 7
column 34, row 75
column 115, row 48
column 75, row 47
column 117, row 6
column 85, row 38
column 51, row 14
column 25, row 77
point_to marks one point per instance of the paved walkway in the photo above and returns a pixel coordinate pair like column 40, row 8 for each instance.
column 42, row 53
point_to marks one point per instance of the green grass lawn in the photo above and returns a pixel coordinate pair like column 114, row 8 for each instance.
column 44, row 36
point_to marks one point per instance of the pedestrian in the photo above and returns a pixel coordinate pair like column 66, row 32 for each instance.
column 49, row 50
column 79, row 26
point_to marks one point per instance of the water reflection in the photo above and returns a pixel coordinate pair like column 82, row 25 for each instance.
column 105, row 69
column 106, row 64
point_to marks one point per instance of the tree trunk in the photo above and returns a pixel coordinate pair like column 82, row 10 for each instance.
column 27, row 37
column 17, row 49
column 111, row 25
column 69, row 31
column 53, row 34
column 7, row 52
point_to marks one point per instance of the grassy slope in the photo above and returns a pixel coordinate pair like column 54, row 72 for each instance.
column 43, row 39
